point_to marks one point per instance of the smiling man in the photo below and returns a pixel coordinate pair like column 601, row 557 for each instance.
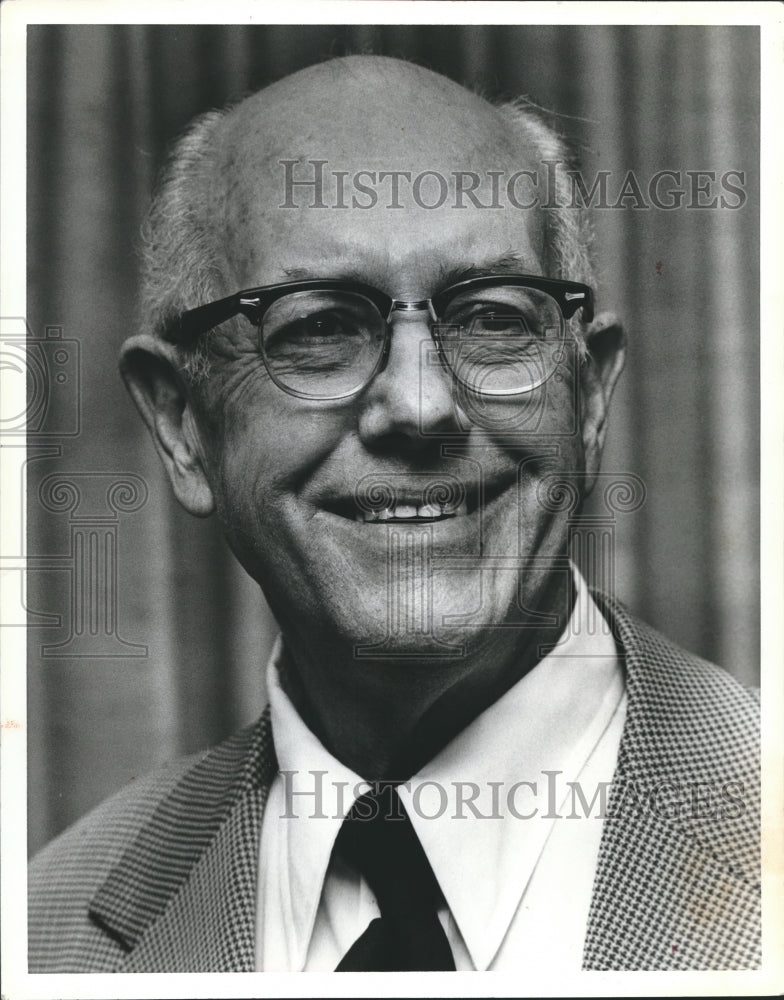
column 372, row 353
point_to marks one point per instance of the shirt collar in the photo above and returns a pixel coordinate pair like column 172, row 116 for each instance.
column 328, row 789
column 541, row 731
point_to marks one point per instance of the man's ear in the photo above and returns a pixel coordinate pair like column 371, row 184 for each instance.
column 606, row 343
column 151, row 370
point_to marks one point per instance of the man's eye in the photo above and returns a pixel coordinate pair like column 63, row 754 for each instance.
column 320, row 327
column 492, row 322
column 315, row 330
column 484, row 321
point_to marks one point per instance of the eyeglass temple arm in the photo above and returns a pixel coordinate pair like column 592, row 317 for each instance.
column 571, row 301
column 195, row 322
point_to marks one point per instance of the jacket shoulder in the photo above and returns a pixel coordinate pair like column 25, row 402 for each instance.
column 96, row 888
column 678, row 878
column 679, row 695
column 65, row 874
column 692, row 726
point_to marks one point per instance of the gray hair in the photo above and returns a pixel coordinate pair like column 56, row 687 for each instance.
column 180, row 245
column 568, row 235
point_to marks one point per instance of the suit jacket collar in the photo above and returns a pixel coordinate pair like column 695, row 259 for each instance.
column 674, row 888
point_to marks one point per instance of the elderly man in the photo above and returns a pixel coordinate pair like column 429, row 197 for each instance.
column 371, row 351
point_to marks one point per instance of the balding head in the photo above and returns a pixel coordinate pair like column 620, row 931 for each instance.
column 381, row 106
column 360, row 113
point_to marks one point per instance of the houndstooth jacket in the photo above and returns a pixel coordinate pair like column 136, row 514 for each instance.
column 163, row 876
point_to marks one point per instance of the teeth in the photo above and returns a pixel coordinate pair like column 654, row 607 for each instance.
column 410, row 512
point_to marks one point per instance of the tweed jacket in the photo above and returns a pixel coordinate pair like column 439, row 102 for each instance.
column 163, row 876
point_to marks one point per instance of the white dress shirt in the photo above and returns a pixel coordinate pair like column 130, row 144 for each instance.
column 515, row 861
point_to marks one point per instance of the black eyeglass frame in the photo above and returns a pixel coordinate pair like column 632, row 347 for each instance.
column 253, row 303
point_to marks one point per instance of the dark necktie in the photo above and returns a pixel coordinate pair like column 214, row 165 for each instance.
column 378, row 840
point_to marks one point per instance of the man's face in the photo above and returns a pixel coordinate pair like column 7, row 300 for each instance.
column 285, row 471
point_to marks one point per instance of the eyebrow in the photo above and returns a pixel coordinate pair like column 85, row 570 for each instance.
column 300, row 273
column 511, row 263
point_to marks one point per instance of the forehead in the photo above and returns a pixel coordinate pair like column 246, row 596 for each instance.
column 358, row 171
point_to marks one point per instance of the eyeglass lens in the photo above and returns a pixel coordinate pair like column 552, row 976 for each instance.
column 325, row 344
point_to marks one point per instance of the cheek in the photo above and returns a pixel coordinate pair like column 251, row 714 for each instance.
column 270, row 448
column 560, row 404
column 550, row 463
column 543, row 433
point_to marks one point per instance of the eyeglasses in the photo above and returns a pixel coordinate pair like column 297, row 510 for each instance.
column 499, row 335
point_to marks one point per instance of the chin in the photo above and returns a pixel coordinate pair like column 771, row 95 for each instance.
column 420, row 619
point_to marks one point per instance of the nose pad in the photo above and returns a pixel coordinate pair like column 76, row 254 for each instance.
column 406, row 306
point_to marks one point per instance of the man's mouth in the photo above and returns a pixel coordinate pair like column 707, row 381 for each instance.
column 411, row 512
column 388, row 502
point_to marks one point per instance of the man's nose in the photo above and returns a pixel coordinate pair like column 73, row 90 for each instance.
column 412, row 397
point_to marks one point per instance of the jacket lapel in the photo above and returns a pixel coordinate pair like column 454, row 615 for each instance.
column 676, row 884
column 183, row 896
column 677, row 881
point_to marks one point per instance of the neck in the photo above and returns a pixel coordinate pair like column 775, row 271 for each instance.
column 386, row 718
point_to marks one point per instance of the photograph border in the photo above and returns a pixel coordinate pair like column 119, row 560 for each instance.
column 15, row 15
